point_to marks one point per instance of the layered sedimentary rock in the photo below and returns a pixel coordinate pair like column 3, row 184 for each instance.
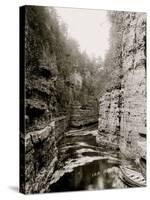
column 122, row 115
column 82, row 115
column 109, row 126
column 54, row 76
column 41, row 155
column 133, row 118
column 56, row 73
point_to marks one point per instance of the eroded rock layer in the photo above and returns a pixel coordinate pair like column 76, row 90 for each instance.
column 41, row 155
column 83, row 115
column 122, row 115
column 55, row 75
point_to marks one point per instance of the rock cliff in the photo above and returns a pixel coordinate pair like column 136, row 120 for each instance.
column 82, row 115
column 54, row 79
column 56, row 72
column 41, row 155
column 122, row 114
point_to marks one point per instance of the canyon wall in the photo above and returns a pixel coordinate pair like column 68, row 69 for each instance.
column 41, row 155
column 109, row 127
column 133, row 118
column 54, row 75
column 82, row 115
column 122, row 114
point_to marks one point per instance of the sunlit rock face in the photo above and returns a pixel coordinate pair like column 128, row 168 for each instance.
column 109, row 117
column 122, row 114
column 133, row 118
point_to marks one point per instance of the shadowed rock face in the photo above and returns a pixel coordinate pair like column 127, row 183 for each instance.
column 54, row 79
column 41, row 155
column 56, row 73
column 60, row 160
column 122, row 115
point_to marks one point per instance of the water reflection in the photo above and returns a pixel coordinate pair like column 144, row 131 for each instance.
column 97, row 175
column 85, row 165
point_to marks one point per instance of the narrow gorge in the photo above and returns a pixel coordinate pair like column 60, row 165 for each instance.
column 83, row 118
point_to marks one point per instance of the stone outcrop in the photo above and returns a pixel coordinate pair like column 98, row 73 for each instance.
column 41, row 155
column 83, row 115
column 122, row 115
column 133, row 118
column 109, row 109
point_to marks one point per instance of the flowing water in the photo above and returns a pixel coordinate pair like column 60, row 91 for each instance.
column 84, row 165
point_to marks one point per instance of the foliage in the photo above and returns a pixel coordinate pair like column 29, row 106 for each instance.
column 53, row 59
column 110, row 75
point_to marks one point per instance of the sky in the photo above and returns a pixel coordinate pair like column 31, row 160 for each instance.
column 89, row 27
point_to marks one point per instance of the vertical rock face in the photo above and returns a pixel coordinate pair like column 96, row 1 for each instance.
column 109, row 116
column 41, row 155
column 133, row 118
column 122, row 115
column 56, row 75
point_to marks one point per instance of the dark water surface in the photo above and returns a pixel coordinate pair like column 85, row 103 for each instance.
column 93, row 176
column 84, row 165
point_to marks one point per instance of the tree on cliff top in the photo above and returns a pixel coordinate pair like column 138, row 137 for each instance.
column 51, row 60
column 113, row 59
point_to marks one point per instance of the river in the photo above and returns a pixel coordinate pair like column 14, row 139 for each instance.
column 85, row 165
